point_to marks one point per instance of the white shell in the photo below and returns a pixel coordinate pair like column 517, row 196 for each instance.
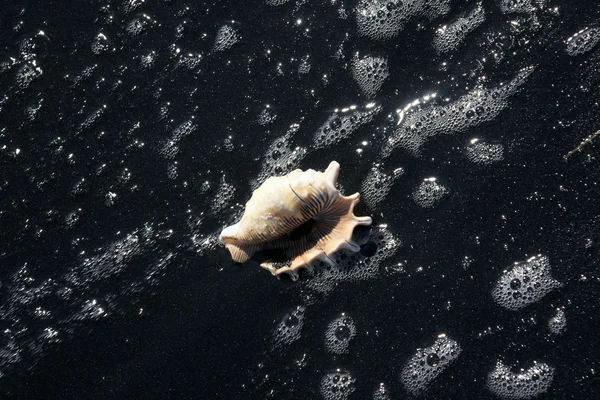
column 285, row 203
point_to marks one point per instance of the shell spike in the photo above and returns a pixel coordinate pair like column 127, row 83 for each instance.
column 332, row 172
column 364, row 221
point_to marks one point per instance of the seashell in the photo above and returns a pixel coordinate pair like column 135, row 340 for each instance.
column 301, row 214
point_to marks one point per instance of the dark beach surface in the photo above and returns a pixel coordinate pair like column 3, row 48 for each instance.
column 132, row 132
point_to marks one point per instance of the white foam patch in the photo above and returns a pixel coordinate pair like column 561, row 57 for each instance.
column 480, row 152
column 450, row 36
column 139, row 24
column 428, row 363
column 377, row 245
column 526, row 384
column 384, row 19
column 100, row 44
column 583, row 41
column 370, row 73
column 226, row 38
column 429, row 193
column 280, row 158
column 267, row 116
column 148, row 60
column 417, row 123
column 343, row 123
column 557, row 324
column 521, row 6
column 339, row 334
column 40, row 312
column 525, row 283
column 288, row 330
column 28, row 73
column 337, row 385
column 377, row 185
column 223, row 198
column 169, row 149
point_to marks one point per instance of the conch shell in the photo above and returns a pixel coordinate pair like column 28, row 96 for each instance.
column 301, row 214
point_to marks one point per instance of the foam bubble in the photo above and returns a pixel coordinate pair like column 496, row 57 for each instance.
column 525, row 283
column 339, row 333
column 290, row 327
column 449, row 37
column 370, row 73
column 337, row 385
column 382, row 393
column 226, row 38
column 428, row 363
column 528, row 383
column 583, row 41
column 480, row 152
column 558, row 323
column 429, row 193
column 383, row 19
column 417, row 123
column 377, row 185
column 343, row 122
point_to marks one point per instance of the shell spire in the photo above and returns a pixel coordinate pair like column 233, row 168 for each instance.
column 301, row 214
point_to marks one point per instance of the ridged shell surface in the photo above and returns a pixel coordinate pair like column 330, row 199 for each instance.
column 281, row 205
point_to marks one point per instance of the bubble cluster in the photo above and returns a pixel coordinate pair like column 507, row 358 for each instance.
column 417, row 124
column 223, row 197
column 370, row 73
column 29, row 72
column 480, row 152
column 100, row 44
column 520, row 6
column 276, row 2
column 583, row 41
column 342, row 123
column 528, row 383
column 337, row 385
column 383, row 19
column 170, row 148
column 290, row 327
column 139, row 24
column 267, row 116
column 376, row 245
column 449, row 37
column 377, row 185
column 339, row 333
column 525, row 283
column 280, row 157
column 428, row 363
column 558, row 323
column 429, row 193
column 226, row 38
column 382, row 393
